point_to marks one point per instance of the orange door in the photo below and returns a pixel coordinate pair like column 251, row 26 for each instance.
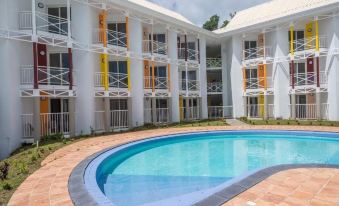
column 147, row 75
column 261, row 76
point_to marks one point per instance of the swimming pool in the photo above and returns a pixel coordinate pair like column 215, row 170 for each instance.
column 184, row 169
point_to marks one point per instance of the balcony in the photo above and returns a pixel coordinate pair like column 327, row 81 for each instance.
column 49, row 28
column 215, row 87
column 154, row 47
column 257, row 54
column 258, row 83
column 308, row 44
column 160, row 83
column 159, row 116
column 308, row 79
column 213, row 63
column 113, row 38
column 217, row 112
column 115, row 80
column 189, row 85
column 191, row 55
column 48, row 77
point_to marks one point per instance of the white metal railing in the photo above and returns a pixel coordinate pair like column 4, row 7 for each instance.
column 160, row 82
column 257, row 52
column 115, row 80
column 99, row 120
column 308, row 43
column 213, row 62
column 54, row 123
column 192, row 54
column 258, row 83
column 44, row 22
column 46, row 76
column 215, row 112
column 255, row 110
column 190, row 113
column 214, row 87
column 190, row 85
column 161, row 116
column 309, row 78
column 114, row 38
column 154, row 47
column 119, row 119
column 27, row 125
column 306, row 111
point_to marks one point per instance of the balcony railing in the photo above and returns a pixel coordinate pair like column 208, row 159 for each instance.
column 44, row 22
column 113, row 38
column 305, row 111
column 258, row 52
column 160, row 82
column 190, row 113
column 258, row 110
column 54, row 123
column 192, row 85
column 216, row 112
column 215, row 87
column 309, row 78
column 46, row 76
column 192, row 54
column 157, row 47
column 119, row 119
column 259, row 83
column 161, row 115
column 308, row 43
column 115, row 80
column 213, row 63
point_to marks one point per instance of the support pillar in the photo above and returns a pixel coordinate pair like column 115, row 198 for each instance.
column 293, row 105
column 187, row 105
column 107, row 114
column 174, row 76
column 36, row 119
column 154, row 110
column 245, row 106
column 71, row 102
column 265, row 106
column 318, row 103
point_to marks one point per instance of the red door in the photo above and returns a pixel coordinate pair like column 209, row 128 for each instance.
column 310, row 71
column 42, row 64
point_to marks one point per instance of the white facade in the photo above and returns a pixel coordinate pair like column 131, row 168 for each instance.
column 82, row 67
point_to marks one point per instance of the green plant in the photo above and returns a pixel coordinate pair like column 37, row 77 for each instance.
column 7, row 186
column 22, row 167
column 4, row 168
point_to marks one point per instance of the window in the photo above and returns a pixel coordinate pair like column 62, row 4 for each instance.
column 57, row 20
column 117, row 34
column 299, row 40
column 118, row 74
column 250, row 49
column 252, row 81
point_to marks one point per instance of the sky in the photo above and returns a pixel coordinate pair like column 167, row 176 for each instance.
column 198, row 11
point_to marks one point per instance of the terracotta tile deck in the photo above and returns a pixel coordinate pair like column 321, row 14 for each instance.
column 48, row 185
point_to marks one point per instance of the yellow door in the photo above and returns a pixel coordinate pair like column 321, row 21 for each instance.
column 181, row 106
column 261, row 105
column 309, row 34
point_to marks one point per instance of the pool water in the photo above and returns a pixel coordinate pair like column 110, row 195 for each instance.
column 166, row 169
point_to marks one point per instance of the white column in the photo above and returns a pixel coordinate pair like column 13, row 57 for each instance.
column 173, row 55
column 236, row 76
column 34, row 34
column 84, row 65
column 203, row 79
column 137, row 89
column 226, row 81
column 280, row 76
column 332, row 65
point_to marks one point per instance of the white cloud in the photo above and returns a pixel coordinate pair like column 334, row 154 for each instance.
column 198, row 11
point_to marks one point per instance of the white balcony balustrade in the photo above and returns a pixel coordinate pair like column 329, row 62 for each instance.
column 257, row 53
column 217, row 112
column 309, row 43
column 112, row 38
column 309, row 78
column 212, row 63
column 190, row 85
column 160, row 83
column 259, row 83
column 214, row 87
column 190, row 113
column 156, row 47
column 44, row 23
column 119, row 119
column 305, row 111
column 157, row 116
column 259, row 111
column 54, row 123
column 115, row 80
column 192, row 54
column 50, row 76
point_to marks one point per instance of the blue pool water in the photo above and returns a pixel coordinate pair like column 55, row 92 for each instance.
column 168, row 170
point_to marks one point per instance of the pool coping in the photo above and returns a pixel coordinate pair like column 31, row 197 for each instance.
column 81, row 196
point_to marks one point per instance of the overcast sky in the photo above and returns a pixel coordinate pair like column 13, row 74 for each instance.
column 198, row 11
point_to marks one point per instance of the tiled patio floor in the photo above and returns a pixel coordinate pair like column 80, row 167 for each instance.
column 48, row 185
